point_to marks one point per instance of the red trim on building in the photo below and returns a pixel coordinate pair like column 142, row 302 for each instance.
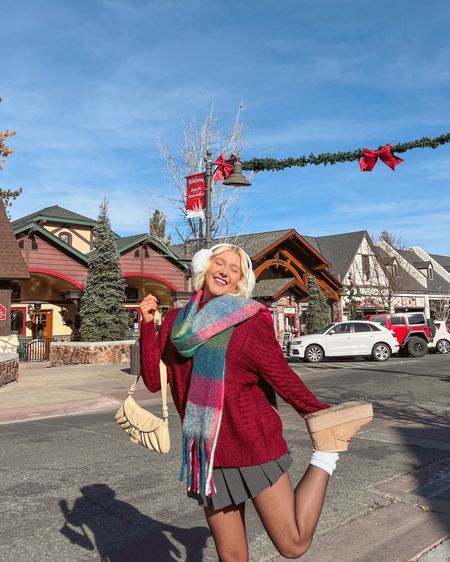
column 55, row 274
column 155, row 277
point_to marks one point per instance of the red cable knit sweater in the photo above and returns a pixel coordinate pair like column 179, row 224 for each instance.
column 251, row 429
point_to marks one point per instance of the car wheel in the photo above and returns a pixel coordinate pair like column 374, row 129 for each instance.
column 417, row 347
column 443, row 346
column 314, row 353
column 381, row 352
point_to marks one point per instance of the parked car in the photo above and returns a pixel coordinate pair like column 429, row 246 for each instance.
column 410, row 328
column 441, row 341
column 355, row 338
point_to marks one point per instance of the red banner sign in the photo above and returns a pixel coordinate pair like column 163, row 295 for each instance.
column 195, row 196
column 2, row 312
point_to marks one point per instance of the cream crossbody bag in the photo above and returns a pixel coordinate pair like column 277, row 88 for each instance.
column 143, row 427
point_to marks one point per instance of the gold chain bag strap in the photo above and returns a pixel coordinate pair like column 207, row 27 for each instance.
column 143, row 427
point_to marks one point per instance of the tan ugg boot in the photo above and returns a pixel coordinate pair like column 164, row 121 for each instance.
column 332, row 429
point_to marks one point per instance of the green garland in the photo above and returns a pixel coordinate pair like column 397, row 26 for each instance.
column 271, row 164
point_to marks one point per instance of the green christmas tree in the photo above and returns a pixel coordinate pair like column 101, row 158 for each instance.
column 318, row 313
column 103, row 316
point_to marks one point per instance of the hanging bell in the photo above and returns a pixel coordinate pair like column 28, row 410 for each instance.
column 237, row 179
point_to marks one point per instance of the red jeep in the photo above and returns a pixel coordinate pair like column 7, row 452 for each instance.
column 410, row 328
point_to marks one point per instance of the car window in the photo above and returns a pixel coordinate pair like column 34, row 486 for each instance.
column 327, row 327
column 416, row 319
column 398, row 320
column 380, row 319
column 360, row 327
column 438, row 325
column 375, row 328
column 344, row 328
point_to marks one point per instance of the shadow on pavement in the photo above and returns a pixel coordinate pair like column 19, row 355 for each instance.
column 119, row 532
column 426, row 434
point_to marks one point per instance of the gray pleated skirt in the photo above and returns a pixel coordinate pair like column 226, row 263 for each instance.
column 235, row 485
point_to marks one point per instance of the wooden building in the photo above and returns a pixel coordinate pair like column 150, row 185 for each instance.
column 56, row 245
column 12, row 270
column 283, row 260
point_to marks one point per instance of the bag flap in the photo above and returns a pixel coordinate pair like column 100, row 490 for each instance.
column 140, row 418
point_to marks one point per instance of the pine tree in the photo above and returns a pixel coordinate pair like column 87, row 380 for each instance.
column 102, row 312
column 157, row 227
column 318, row 313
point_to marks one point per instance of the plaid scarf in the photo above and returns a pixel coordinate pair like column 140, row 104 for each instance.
column 204, row 335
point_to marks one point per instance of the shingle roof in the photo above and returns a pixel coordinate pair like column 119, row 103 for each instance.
column 12, row 265
column 55, row 214
column 253, row 244
column 408, row 282
column 338, row 249
column 270, row 287
column 442, row 260
column 436, row 285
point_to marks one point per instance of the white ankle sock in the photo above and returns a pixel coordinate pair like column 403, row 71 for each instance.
column 325, row 461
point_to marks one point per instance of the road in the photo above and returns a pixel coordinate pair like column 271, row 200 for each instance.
column 75, row 489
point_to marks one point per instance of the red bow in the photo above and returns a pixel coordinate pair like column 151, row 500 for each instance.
column 224, row 168
column 368, row 161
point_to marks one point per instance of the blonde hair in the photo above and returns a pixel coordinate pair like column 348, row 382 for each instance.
column 243, row 285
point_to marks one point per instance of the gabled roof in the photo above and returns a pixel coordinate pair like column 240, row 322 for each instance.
column 127, row 242
column 31, row 225
column 338, row 249
column 55, row 214
column 12, row 265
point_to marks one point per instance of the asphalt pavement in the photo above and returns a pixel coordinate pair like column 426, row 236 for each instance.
column 74, row 487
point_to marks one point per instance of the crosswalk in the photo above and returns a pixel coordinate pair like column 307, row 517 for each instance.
column 333, row 365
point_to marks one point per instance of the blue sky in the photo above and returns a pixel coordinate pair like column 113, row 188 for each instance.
column 90, row 85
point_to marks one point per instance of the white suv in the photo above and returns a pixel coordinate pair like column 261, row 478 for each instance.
column 441, row 340
column 352, row 338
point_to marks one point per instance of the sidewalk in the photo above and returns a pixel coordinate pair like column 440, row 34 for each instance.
column 398, row 532
column 68, row 390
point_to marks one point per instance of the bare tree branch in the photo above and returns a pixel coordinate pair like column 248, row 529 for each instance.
column 196, row 141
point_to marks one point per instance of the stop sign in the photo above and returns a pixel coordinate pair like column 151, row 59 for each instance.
column 2, row 312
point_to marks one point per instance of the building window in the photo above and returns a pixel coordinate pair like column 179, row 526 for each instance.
column 146, row 252
column 21, row 243
column 136, row 254
column 366, row 267
column 131, row 293
column 430, row 272
column 65, row 237
column 34, row 244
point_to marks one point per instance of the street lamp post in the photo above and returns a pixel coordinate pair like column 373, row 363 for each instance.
column 236, row 179
column 208, row 187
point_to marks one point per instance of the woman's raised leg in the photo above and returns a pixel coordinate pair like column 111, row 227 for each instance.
column 227, row 527
column 290, row 517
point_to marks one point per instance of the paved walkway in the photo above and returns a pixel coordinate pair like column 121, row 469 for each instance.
column 398, row 531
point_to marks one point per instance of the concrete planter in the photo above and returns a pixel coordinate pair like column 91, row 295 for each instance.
column 76, row 353
column 9, row 367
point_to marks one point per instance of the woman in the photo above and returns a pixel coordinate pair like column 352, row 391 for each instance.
column 224, row 365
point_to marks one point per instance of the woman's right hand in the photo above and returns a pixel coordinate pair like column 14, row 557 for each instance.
column 148, row 306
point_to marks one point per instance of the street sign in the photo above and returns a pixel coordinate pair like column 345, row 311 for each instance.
column 2, row 312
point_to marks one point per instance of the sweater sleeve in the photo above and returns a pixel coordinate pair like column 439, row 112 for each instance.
column 153, row 350
column 265, row 357
column 150, row 357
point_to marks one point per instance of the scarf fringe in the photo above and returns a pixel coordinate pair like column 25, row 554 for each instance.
column 196, row 465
